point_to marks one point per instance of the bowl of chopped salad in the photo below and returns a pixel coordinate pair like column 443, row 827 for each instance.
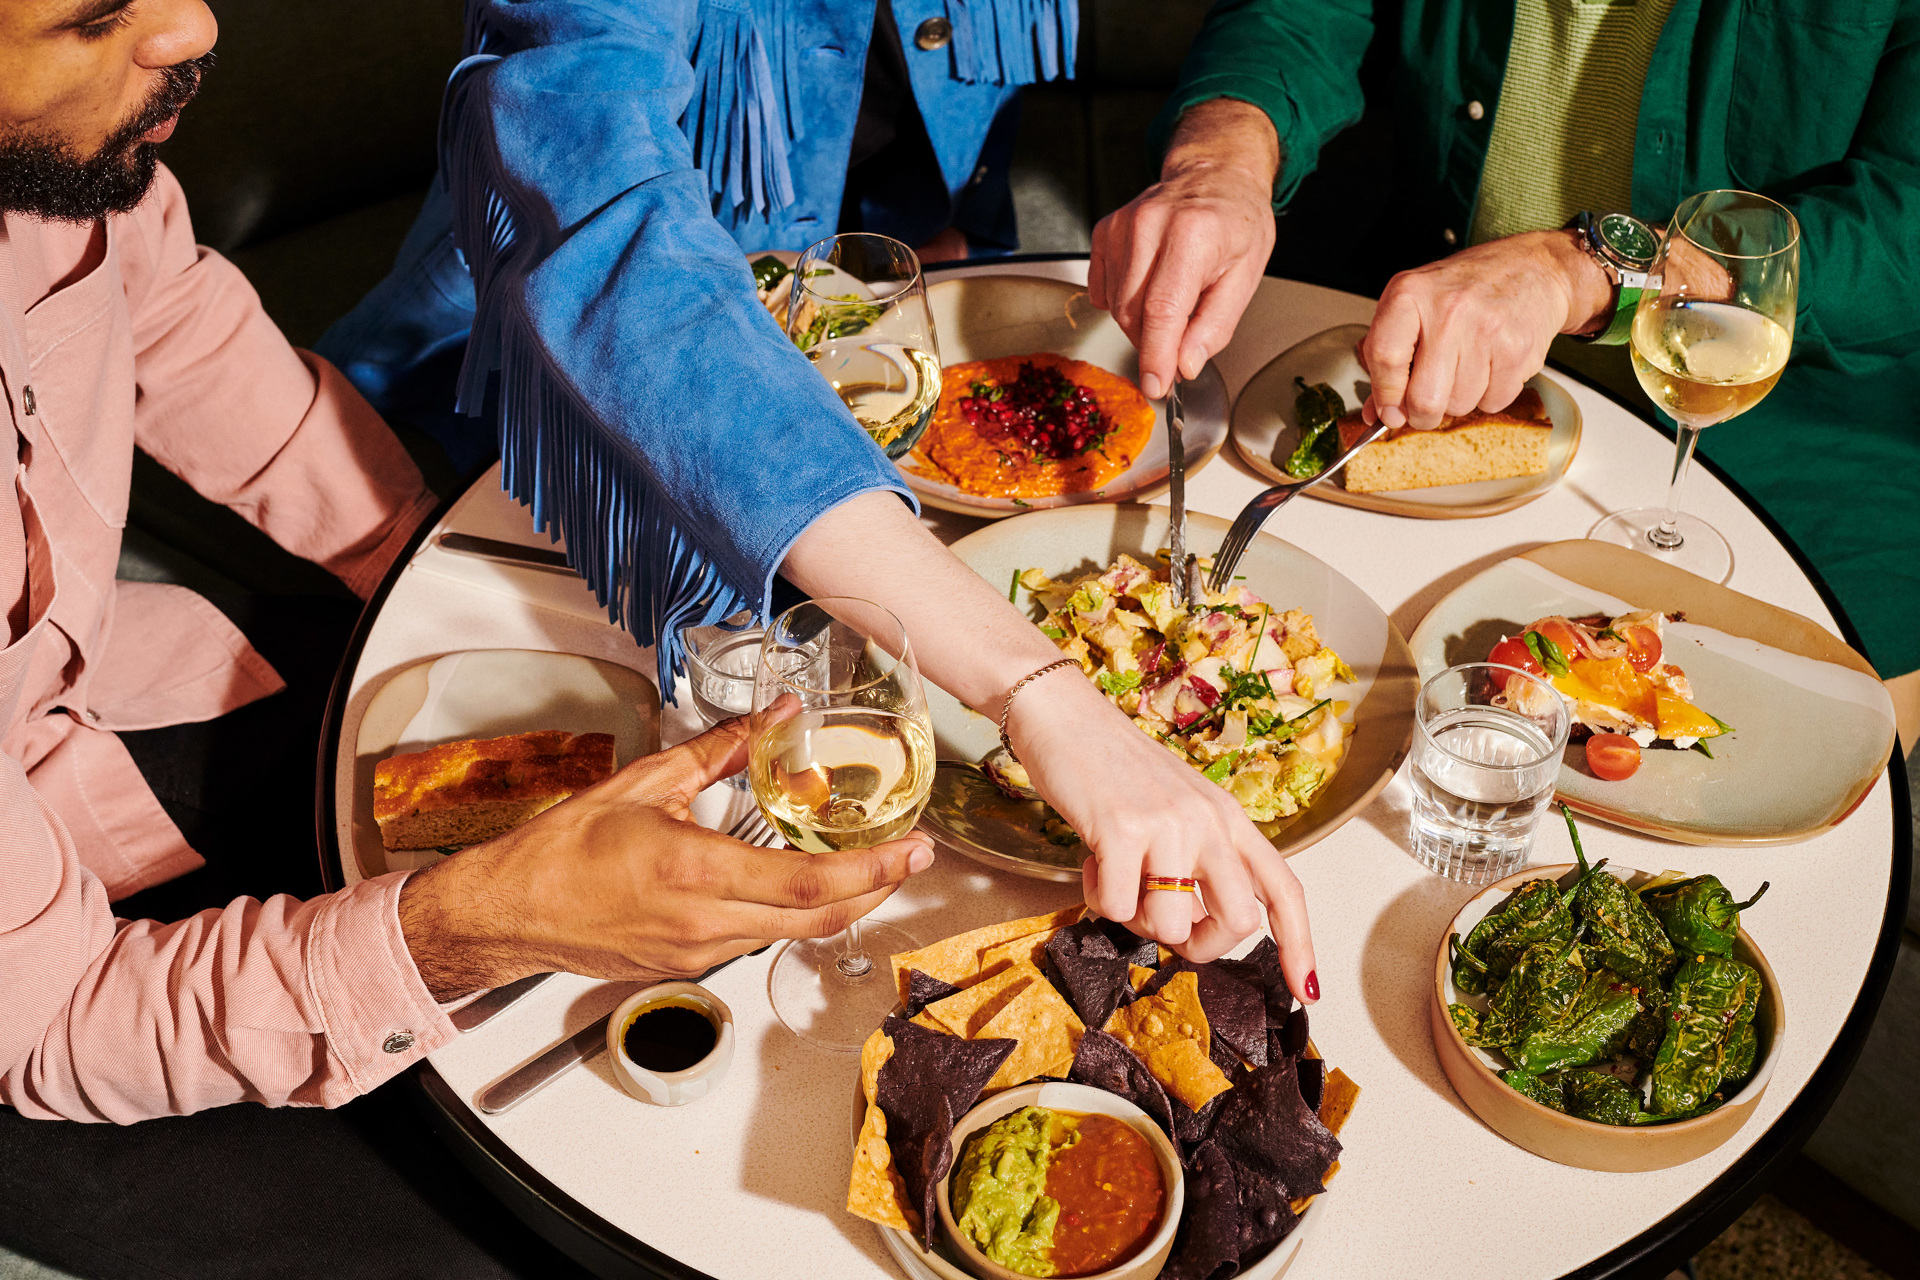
column 1291, row 689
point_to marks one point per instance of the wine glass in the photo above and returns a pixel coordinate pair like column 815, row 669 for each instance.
column 859, row 311
column 1711, row 336
column 840, row 757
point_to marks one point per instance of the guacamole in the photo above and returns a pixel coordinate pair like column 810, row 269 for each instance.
column 998, row 1188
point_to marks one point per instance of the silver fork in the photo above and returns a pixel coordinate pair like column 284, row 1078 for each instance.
column 1264, row 504
column 752, row 828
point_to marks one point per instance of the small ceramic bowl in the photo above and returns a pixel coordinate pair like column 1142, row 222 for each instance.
column 671, row 1088
column 1565, row 1139
column 1144, row 1265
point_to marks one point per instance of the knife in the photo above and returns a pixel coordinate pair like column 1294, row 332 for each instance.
column 1180, row 571
column 514, row 553
column 478, row 1013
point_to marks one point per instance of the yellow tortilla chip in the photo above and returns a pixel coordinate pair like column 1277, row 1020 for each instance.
column 957, row 959
column 873, row 1056
column 931, row 1023
column 875, row 1191
column 1031, row 949
column 1046, row 1027
column 1137, row 975
column 964, row 1013
column 1337, row 1097
column 1187, row 1072
column 1155, row 1025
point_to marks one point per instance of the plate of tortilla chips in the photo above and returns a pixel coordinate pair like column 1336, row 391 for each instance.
column 1216, row 1054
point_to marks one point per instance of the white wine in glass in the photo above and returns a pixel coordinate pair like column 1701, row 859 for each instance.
column 840, row 756
column 1711, row 336
column 859, row 311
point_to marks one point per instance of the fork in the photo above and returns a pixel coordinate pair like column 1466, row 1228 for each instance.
column 752, row 828
column 1264, row 504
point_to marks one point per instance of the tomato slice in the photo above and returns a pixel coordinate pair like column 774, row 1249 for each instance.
column 1612, row 756
column 1643, row 648
column 1513, row 652
column 1564, row 636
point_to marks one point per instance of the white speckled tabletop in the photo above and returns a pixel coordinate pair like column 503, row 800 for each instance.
column 750, row 1182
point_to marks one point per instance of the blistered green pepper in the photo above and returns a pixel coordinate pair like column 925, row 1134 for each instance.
column 1742, row 1047
column 1622, row 933
column 1540, row 992
column 1698, row 913
column 1649, row 1030
column 1532, row 1086
column 1315, row 409
column 1603, row 1097
column 1712, row 995
column 1594, row 1035
column 1467, row 1022
column 1537, row 912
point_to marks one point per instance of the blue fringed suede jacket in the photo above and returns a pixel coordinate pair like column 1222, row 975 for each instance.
column 604, row 164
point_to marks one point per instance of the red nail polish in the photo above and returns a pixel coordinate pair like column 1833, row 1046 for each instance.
column 1313, row 984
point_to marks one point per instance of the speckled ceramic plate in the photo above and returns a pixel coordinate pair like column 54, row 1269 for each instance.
column 1565, row 1139
column 987, row 317
column 1265, row 433
column 976, row 822
column 490, row 693
column 1813, row 724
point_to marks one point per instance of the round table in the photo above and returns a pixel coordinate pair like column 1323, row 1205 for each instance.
column 751, row 1182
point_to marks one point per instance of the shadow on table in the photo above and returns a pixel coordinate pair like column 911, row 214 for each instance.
column 1396, row 974
column 1407, row 617
column 799, row 1142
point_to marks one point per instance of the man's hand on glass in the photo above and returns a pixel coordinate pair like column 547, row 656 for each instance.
column 1178, row 264
column 1467, row 331
column 619, row 882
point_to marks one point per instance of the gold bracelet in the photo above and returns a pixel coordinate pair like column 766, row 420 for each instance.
column 1006, row 708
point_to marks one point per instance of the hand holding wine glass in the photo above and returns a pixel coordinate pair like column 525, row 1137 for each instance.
column 841, row 758
column 1711, row 337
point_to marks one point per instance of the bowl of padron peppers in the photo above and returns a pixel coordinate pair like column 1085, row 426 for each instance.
column 1606, row 1018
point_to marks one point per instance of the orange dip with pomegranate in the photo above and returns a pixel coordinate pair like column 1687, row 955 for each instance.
column 1033, row 426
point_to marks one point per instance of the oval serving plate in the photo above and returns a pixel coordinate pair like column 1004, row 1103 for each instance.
column 1814, row 726
column 968, row 814
column 987, row 317
column 1265, row 433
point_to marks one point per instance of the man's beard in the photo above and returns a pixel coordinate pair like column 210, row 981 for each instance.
column 42, row 177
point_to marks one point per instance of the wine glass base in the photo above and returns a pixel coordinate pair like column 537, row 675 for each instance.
column 1702, row 551
column 820, row 1006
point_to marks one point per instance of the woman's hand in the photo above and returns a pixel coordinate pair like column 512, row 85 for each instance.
column 1468, row 331
column 1179, row 263
column 1145, row 812
column 619, row 882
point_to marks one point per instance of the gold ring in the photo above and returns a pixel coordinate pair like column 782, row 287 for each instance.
column 1173, row 884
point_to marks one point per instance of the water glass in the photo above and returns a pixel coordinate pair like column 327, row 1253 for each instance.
column 720, row 666
column 1486, row 754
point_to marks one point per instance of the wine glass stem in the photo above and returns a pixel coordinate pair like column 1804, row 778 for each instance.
column 1666, row 534
column 854, row 964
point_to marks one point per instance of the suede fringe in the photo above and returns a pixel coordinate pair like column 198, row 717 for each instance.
column 1013, row 41
column 744, row 110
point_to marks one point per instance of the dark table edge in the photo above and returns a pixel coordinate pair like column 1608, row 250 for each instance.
column 610, row 1252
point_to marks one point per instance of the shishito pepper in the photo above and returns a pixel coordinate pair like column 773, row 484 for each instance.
column 1537, row 912
column 1698, row 913
column 1623, row 934
column 1595, row 1034
column 1540, row 992
column 1712, row 995
column 1604, row 1098
column 1532, row 1086
column 1742, row 1047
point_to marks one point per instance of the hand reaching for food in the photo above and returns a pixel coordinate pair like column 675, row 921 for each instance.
column 1466, row 332
column 619, row 882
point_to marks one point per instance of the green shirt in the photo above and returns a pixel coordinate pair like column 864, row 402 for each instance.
column 1562, row 139
column 1813, row 102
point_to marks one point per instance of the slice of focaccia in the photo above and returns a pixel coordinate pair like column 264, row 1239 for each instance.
column 461, row 793
column 1476, row 446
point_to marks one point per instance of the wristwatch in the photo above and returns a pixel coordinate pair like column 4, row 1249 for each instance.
column 1624, row 247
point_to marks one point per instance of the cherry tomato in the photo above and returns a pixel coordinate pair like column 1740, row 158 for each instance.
column 1564, row 636
column 1612, row 756
column 1643, row 648
column 1513, row 652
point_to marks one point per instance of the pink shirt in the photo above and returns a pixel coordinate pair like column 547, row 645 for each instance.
column 110, row 335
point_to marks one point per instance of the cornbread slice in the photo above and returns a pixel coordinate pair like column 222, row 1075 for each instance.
column 460, row 793
column 1476, row 446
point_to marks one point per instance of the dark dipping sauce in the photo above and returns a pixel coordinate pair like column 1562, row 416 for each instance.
column 669, row 1037
column 1111, row 1197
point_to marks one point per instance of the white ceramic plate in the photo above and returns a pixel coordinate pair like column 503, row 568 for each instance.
column 1266, row 433
column 490, row 693
column 1005, row 834
column 987, row 317
column 1813, row 724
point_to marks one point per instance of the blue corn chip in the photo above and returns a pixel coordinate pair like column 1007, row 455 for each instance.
column 1105, row 1063
column 1266, row 1126
column 923, row 989
column 1093, row 975
column 1313, row 1082
column 1266, row 1217
column 1260, row 968
column 1208, row 1245
column 1235, row 1011
column 930, row 1081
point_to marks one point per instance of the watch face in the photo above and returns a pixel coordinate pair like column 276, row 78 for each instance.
column 1629, row 237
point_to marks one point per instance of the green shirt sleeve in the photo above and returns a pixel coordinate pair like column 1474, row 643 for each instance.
column 1297, row 60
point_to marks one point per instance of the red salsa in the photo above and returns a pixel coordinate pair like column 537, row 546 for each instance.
column 1111, row 1197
